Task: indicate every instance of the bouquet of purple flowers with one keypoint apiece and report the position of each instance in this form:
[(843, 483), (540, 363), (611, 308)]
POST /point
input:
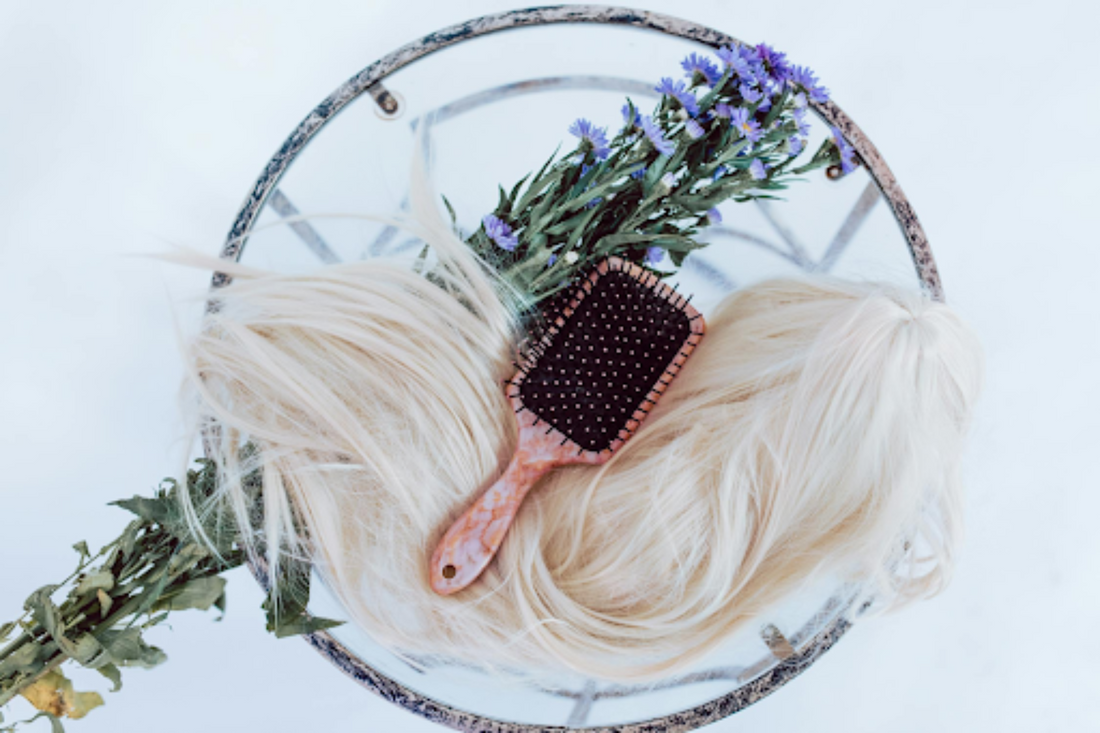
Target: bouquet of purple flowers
[(736, 128)]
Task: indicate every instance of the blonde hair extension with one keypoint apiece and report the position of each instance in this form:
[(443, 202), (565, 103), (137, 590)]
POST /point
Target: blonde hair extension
[(818, 427)]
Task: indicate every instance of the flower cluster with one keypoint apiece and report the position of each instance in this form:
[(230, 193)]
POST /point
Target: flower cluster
[(732, 128)]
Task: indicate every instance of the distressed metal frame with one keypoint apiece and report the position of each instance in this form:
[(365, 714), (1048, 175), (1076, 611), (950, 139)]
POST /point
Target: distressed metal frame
[(814, 642)]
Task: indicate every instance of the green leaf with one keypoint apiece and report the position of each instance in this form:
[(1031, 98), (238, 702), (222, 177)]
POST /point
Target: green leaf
[(219, 603), (48, 615), (580, 230), (515, 190), (777, 108), (157, 509), (129, 539), (104, 579), (37, 602), (711, 97), (613, 241), (654, 173), (200, 593), (568, 225), (128, 649), (5, 631), (304, 624), (82, 548), (111, 672), (504, 206), (451, 211), (86, 650), (24, 659), (151, 593), (538, 183), (55, 722)]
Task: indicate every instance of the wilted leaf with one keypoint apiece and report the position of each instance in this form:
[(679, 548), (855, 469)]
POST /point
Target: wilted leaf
[(303, 625), (37, 602), (103, 579), (105, 601), (48, 615), (82, 548), (159, 509), (128, 649), (23, 660), (85, 650), (112, 673), (151, 594), (200, 593), (55, 724), (53, 694)]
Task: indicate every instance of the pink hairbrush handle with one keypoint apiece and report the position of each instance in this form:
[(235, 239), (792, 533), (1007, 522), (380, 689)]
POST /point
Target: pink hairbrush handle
[(473, 540)]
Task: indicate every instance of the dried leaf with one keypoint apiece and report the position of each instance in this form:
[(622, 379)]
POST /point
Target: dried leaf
[(105, 601), (53, 694), (200, 593), (22, 660), (48, 615), (82, 548), (112, 673), (303, 625), (38, 601), (85, 650), (103, 579), (161, 509), (128, 649), (55, 724)]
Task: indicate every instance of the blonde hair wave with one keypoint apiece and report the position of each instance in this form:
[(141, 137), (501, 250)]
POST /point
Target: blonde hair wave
[(818, 427)]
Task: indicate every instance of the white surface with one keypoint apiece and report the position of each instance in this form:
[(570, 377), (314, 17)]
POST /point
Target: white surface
[(131, 124)]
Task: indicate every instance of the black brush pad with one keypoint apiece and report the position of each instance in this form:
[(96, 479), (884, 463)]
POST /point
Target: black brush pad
[(602, 363)]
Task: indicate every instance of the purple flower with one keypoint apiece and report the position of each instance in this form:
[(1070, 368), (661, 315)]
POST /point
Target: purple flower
[(723, 110), (592, 138), (626, 117), (553, 258), (796, 144), (800, 120), (499, 232), (747, 127), (719, 172), (714, 216), (694, 129), (758, 170), (803, 77), (679, 91), (734, 57), (750, 95), (765, 105), (638, 173), (653, 255), (701, 70), (653, 131), (847, 152), (775, 64)]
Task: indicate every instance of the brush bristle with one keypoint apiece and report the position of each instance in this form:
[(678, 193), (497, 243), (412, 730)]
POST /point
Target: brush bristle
[(606, 357)]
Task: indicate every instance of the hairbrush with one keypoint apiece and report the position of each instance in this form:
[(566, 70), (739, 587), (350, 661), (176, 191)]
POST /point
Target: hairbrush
[(584, 386)]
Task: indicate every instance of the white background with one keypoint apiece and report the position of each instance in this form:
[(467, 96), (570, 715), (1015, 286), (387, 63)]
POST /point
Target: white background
[(127, 125)]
